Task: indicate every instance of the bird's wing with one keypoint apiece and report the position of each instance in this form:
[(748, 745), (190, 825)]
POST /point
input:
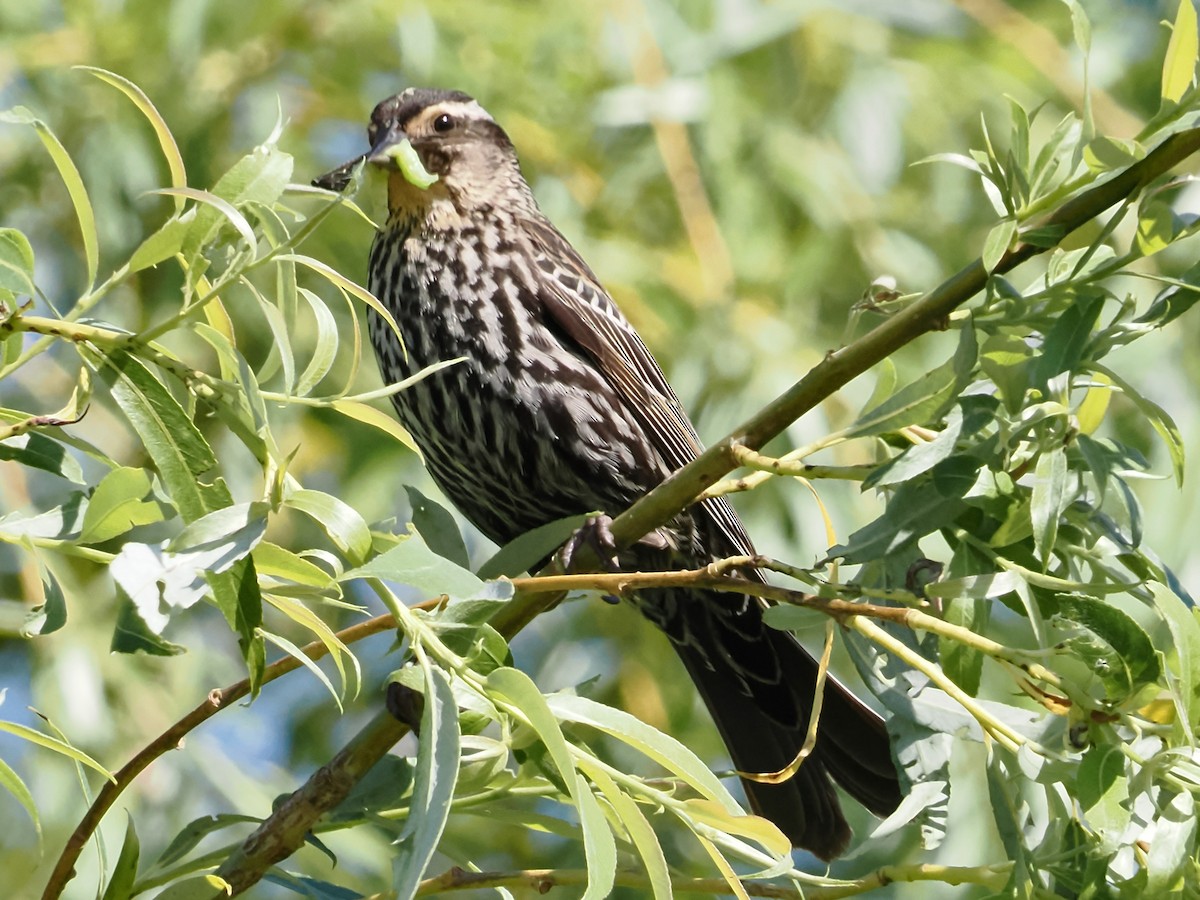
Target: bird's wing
[(573, 298)]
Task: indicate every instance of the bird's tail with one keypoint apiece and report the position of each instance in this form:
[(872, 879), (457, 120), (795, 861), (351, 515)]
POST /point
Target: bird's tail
[(758, 683)]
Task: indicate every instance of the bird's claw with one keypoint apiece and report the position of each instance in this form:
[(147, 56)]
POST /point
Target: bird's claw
[(596, 534)]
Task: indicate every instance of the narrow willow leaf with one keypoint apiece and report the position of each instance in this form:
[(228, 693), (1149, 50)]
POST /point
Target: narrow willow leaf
[(11, 782), (662, 748), (998, 241), (525, 552), (411, 562), (161, 245), (1133, 649), (166, 140), (517, 688), (120, 884), (437, 526), (302, 615), (1049, 499), (179, 451), (1103, 791), (297, 654), (1158, 417), (377, 418), (325, 352), (1174, 842), (645, 841), (226, 209), (198, 887), (341, 281), (118, 504), (16, 262), (438, 752), (51, 614), (52, 743), (341, 522), (131, 634), (278, 562), (74, 184), (914, 404), (197, 830), (1184, 653), (599, 845), (1179, 65), (41, 452)]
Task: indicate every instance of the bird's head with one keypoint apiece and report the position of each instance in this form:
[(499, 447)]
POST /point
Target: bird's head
[(455, 140)]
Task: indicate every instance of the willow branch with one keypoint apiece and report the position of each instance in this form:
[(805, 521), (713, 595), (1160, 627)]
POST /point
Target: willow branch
[(542, 881), (217, 700)]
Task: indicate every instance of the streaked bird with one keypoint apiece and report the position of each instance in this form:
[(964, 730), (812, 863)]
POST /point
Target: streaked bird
[(560, 409)]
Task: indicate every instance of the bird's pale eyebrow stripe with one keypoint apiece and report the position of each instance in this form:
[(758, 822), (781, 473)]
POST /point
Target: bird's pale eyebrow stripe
[(458, 108)]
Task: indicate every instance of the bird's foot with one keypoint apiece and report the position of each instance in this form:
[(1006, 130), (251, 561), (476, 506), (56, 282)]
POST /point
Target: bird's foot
[(596, 534)]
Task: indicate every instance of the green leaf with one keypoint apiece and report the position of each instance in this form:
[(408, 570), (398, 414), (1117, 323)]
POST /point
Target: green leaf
[(665, 750), (1104, 154), (221, 206), (120, 884), (1067, 338), (297, 654), (47, 742), (1179, 65), (919, 458), (1132, 661), (530, 550), (325, 352), (278, 562), (916, 509), (132, 635), (437, 527), (117, 505), (1183, 655), (377, 418), (1174, 843), (1050, 498), (166, 141), (915, 404), (599, 845), (1007, 361), (62, 522), (179, 451), (51, 614), (1103, 791), (345, 527), (998, 241), (74, 184), (16, 262), (1159, 420), (436, 773), (40, 452), (198, 887), (194, 832), (161, 245), (645, 841), (258, 177), (12, 783), (411, 562), (1158, 226), (961, 662)]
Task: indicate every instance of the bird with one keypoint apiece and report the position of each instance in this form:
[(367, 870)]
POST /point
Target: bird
[(557, 408)]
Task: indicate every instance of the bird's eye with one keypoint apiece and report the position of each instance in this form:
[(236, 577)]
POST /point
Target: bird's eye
[(372, 133), (443, 123)]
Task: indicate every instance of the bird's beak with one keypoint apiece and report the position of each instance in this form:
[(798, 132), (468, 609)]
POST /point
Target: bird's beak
[(338, 179)]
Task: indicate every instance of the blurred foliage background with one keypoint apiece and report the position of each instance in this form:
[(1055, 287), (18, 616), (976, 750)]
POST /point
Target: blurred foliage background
[(738, 172)]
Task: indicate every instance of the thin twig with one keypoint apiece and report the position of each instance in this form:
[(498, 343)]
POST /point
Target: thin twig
[(217, 699)]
